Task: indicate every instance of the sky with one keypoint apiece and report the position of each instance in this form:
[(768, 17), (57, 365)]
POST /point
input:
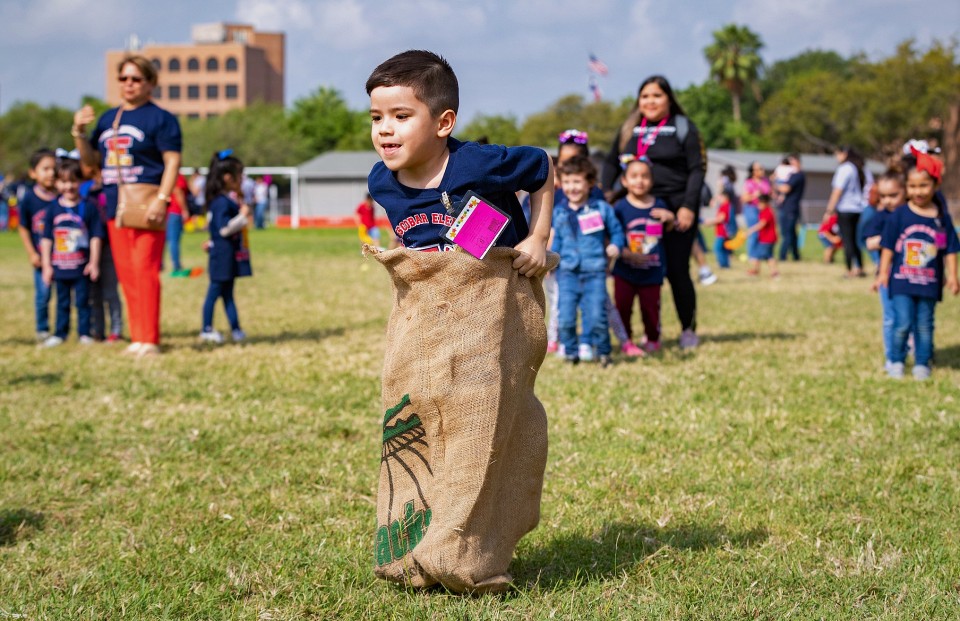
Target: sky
[(511, 57)]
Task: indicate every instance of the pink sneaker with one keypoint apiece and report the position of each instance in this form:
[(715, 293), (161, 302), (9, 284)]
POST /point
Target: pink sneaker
[(552, 347), (629, 349), (652, 347)]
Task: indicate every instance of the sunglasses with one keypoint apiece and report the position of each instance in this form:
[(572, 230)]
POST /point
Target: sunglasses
[(132, 78)]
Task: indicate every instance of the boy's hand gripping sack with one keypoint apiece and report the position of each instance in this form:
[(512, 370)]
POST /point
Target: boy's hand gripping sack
[(464, 435)]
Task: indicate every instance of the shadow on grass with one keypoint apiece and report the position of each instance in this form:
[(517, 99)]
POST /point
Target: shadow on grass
[(253, 339), (19, 340), (15, 522), (36, 378), (947, 357), (576, 558), (737, 337)]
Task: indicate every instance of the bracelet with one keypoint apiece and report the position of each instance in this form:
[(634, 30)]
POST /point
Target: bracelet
[(76, 133), (163, 197)]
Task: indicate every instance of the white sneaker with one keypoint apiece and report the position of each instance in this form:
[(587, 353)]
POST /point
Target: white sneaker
[(585, 353), (921, 372), (132, 349), (895, 370), (211, 336), (42, 336), (52, 341), (707, 277), (689, 339), (148, 350), (86, 340), (238, 335)]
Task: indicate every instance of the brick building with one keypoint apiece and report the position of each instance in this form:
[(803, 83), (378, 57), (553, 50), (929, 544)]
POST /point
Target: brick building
[(226, 66)]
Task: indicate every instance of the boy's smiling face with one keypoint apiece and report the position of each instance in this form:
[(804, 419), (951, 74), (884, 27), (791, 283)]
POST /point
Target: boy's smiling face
[(404, 133)]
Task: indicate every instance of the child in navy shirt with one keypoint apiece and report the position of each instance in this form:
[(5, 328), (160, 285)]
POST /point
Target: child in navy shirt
[(586, 234), (229, 252), (642, 265), (890, 194), (919, 254), (72, 235), (33, 211)]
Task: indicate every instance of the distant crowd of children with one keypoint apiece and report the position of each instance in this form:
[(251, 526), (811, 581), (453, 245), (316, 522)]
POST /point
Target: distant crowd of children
[(62, 225)]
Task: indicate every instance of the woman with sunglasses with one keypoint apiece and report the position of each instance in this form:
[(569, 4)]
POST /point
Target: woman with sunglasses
[(146, 148), (658, 130)]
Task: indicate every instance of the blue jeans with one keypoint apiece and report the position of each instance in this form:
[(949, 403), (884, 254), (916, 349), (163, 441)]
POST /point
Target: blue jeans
[(751, 214), (913, 314), (80, 287), (889, 318), (868, 212), (723, 255), (588, 292), (220, 289), (788, 228), (259, 215), (174, 233), (41, 301)]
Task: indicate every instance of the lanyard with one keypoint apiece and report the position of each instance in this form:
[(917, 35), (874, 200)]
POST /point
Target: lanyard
[(642, 142)]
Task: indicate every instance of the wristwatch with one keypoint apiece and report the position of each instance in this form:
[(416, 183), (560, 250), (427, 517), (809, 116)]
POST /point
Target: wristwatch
[(163, 197)]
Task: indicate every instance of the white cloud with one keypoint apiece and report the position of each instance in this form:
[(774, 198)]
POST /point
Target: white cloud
[(340, 24), (53, 21)]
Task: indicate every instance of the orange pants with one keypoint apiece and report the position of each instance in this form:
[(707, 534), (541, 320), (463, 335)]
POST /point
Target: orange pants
[(138, 255)]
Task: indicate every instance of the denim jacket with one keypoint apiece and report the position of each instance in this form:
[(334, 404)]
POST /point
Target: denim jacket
[(584, 252)]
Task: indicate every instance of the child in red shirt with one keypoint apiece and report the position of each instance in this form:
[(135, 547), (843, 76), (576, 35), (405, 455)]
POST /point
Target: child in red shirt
[(766, 230), (829, 235)]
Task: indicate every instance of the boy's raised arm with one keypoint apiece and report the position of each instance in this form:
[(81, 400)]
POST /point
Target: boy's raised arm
[(533, 261)]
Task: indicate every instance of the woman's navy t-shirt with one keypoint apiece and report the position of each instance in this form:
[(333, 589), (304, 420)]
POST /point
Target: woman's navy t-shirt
[(145, 133), (33, 211), (494, 172), (634, 221), (919, 245)]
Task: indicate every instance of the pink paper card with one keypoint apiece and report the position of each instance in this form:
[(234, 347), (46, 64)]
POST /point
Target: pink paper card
[(654, 229), (477, 226), (590, 222)]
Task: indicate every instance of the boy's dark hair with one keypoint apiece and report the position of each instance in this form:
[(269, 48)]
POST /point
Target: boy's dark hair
[(221, 164), (893, 174), (580, 165), (38, 156), (763, 198), (429, 75), (69, 166)]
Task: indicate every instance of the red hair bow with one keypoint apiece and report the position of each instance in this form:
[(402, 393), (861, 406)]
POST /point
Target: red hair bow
[(928, 163)]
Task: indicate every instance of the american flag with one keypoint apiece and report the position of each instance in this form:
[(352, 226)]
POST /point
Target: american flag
[(597, 66), (595, 89)]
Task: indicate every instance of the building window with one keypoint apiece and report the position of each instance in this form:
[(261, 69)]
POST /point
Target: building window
[(213, 91), (231, 63), (193, 115), (212, 115), (213, 64), (158, 92), (193, 91), (231, 91), (173, 92), (173, 64), (156, 64), (193, 65)]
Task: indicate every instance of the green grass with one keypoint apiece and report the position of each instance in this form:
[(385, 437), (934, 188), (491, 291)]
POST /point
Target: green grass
[(775, 473)]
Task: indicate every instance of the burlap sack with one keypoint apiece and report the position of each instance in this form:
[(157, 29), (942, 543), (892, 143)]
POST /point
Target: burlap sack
[(464, 436)]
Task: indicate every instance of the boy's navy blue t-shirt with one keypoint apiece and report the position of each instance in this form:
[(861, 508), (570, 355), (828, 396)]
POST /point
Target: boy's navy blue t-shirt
[(917, 257), (71, 229), (634, 221), (494, 172), (874, 225), (33, 211), (144, 134)]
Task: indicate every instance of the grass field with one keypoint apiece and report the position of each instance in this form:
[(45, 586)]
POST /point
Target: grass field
[(775, 473)]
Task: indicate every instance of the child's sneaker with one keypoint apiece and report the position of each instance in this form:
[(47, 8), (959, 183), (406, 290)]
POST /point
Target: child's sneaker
[(651, 347), (52, 341), (211, 336), (921, 372), (42, 336), (113, 338), (629, 349), (561, 351), (86, 340), (552, 347), (573, 360), (689, 339), (586, 352), (707, 277), (605, 361), (238, 335), (895, 370)]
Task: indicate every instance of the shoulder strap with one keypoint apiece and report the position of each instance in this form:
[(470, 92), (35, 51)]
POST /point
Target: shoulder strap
[(682, 124), (116, 129)]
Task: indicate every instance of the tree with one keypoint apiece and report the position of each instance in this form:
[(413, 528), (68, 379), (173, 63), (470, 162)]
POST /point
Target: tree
[(600, 119), (323, 119), (26, 127), (775, 76), (498, 129), (735, 63)]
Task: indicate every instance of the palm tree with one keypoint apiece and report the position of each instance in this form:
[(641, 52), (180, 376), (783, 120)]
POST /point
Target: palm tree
[(735, 63)]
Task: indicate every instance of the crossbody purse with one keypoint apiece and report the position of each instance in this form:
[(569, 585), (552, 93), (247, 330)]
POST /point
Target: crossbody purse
[(134, 199)]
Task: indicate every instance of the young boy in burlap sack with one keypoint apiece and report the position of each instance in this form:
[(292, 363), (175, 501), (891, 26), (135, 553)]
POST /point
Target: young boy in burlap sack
[(464, 436)]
